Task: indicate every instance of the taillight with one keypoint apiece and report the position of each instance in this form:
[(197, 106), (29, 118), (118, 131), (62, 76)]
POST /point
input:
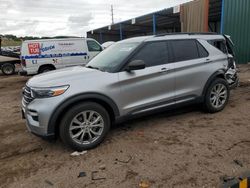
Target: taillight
[(23, 62), (231, 63)]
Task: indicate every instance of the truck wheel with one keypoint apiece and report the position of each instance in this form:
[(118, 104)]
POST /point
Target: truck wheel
[(84, 126), (8, 69), (46, 69), (217, 96)]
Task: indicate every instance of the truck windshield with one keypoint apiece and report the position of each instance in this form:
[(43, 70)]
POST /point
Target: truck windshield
[(112, 57)]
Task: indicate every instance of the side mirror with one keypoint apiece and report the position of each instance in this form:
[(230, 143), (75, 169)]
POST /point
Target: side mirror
[(135, 65)]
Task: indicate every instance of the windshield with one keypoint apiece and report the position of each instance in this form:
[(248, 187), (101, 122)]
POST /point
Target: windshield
[(112, 57)]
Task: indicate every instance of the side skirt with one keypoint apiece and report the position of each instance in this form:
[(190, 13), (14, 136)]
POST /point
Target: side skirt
[(171, 105)]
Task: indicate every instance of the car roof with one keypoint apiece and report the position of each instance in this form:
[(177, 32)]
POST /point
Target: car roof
[(176, 36), (56, 39), (135, 39)]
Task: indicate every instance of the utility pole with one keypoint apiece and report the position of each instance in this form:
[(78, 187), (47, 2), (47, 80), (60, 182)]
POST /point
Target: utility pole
[(0, 45), (112, 14)]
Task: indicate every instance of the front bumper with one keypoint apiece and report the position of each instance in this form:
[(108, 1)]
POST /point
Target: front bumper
[(37, 115), (34, 129)]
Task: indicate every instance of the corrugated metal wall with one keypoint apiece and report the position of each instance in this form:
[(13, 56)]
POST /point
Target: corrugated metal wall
[(236, 23)]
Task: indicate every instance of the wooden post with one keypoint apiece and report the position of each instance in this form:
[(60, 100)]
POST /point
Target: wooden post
[(206, 17)]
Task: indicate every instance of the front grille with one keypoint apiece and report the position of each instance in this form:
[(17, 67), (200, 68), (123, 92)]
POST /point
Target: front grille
[(27, 98)]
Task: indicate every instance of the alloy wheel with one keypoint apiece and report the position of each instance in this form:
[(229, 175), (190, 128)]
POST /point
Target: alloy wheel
[(86, 127), (218, 95)]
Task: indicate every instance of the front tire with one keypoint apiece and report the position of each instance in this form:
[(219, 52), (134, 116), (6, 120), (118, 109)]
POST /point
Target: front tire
[(84, 126), (45, 69), (217, 96)]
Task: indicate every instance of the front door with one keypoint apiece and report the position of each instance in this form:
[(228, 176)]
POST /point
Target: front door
[(94, 48), (152, 87)]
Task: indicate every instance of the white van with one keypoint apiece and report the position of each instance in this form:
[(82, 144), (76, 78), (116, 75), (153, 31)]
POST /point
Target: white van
[(38, 56)]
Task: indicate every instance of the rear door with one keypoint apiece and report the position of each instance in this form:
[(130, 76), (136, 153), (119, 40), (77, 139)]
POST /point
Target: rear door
[(192, 68), (152, 87)]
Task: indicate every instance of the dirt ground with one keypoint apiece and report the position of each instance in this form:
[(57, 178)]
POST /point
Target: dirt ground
[(183, 148)]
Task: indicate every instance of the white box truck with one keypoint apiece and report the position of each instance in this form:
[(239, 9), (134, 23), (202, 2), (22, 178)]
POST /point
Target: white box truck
[(38, 56)]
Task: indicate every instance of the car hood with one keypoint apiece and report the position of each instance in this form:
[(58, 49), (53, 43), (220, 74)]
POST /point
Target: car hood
[(62, 77)]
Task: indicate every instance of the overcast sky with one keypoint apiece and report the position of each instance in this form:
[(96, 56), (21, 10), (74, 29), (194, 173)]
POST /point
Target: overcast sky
[(70, 17)]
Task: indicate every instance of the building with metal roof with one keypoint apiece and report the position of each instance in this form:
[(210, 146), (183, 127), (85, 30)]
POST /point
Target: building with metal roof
[(220, 16)]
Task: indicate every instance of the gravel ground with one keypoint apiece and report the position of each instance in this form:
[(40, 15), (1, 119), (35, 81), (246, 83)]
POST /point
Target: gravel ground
[(182, 148)]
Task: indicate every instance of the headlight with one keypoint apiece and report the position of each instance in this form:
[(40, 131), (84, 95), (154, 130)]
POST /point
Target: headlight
[(48, 92)]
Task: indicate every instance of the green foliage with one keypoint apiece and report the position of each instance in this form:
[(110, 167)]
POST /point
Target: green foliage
[(8, 42)]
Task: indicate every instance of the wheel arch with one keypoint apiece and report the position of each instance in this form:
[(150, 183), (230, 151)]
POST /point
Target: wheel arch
[(46, 65), (218, 74), (104, 101)]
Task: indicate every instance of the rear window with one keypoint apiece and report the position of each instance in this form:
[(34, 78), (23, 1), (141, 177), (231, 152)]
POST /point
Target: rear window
[(185, 50), (202, 51), (219, 44)]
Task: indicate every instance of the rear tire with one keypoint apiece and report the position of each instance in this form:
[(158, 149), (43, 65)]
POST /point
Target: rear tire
[(217, 96), (84, 126), (45, 69), (8, 69)]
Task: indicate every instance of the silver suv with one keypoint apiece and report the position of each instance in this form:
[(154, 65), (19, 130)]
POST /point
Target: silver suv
[(132, 77)]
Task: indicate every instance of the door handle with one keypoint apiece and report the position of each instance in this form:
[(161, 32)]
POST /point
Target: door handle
[(163, 70), (208, 61)]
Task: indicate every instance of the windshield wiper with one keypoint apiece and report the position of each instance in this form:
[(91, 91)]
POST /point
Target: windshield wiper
[(89, 66)]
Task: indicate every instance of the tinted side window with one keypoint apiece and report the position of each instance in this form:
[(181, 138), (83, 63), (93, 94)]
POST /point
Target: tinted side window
[(93, 46), (185, 50), (153, 54), (219, 44), (202, 51)]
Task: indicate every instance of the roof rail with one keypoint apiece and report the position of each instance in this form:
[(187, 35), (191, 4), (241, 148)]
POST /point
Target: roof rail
[(187, 33)]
